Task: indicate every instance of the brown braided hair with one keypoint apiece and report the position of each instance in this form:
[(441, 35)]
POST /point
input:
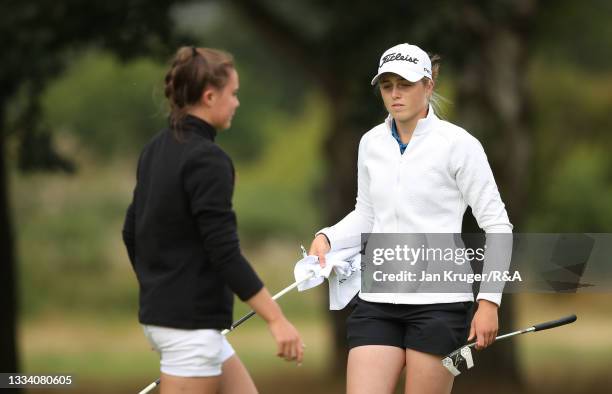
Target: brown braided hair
[(193, 70)]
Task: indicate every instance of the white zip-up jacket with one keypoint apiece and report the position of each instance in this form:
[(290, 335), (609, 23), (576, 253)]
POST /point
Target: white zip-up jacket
[(425, 190)]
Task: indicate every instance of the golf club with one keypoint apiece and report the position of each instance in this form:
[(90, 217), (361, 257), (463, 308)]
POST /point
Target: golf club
[(464, 353)]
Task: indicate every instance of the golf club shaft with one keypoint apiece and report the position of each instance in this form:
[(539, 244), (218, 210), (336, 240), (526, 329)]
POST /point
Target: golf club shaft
[(537, 327), (244, 318), (149, 387), (508, 335), (274, 297)]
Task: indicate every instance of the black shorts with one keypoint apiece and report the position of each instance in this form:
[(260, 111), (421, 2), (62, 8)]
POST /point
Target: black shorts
[(432, 328)]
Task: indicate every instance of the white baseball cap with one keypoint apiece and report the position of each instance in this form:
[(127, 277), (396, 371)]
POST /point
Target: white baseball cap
[(408, 61)]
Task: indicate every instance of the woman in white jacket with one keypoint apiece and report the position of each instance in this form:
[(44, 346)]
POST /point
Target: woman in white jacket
[(416, 174)]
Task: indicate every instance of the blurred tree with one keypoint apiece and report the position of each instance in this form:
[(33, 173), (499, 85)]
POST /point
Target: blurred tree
[(126, 100), (42, 38), (486, 43)]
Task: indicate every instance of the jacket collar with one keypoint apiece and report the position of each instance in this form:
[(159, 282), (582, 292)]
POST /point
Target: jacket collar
[(198, 126), (423, 125)]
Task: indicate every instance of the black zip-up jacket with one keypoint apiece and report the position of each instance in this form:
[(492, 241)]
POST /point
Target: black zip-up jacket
[(180, 232)]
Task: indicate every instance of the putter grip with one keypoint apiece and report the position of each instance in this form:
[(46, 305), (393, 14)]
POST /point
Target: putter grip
[(555, 323)]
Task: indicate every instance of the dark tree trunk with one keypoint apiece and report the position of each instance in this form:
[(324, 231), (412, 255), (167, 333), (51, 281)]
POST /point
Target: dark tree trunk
[(8, 297), (493, 104)]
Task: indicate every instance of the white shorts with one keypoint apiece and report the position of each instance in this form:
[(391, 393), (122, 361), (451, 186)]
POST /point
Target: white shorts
[(189, 353)]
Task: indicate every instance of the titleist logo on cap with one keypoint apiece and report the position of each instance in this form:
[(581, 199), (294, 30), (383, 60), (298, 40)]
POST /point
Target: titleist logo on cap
[(397, 56), (408, 61)]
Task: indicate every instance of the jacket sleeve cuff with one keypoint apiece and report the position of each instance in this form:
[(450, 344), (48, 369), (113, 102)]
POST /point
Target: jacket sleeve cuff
[(327, 233), (493, 297), (339, 242)]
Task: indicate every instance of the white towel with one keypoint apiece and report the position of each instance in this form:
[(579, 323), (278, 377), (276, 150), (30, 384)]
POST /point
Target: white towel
[(342, 270)]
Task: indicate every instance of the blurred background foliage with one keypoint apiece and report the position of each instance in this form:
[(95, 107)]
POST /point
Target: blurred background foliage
[(78, 296)]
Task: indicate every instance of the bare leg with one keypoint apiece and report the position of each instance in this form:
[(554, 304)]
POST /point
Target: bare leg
[(374, 369), (236, 378), (426, 375), (177, 384)]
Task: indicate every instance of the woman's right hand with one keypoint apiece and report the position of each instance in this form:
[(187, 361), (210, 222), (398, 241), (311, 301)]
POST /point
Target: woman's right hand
[(288, 341), (319, 247)]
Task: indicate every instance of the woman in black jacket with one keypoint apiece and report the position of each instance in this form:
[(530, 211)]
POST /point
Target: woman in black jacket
[(180, 233)]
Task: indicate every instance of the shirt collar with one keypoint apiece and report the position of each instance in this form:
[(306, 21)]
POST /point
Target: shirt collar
[(198, 126), (423, 125)]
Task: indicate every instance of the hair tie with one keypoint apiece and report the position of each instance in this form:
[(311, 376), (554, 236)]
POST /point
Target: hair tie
[(194, 51)]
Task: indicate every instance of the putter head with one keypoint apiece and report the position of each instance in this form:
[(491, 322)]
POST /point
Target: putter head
[(456, 358), (448, 363)]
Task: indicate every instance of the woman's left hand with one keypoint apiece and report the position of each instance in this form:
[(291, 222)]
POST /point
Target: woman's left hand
[(484, 324)]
